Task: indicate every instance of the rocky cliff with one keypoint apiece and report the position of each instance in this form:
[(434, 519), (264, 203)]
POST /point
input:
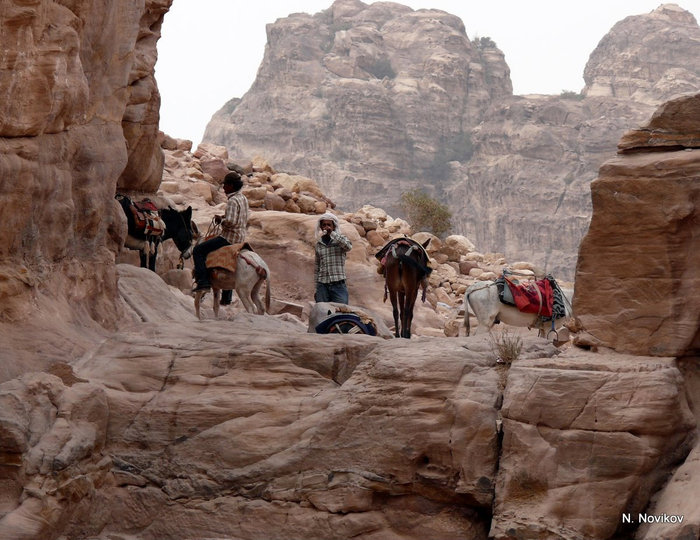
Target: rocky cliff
[(78, 118), (374, 100), (370, 100)]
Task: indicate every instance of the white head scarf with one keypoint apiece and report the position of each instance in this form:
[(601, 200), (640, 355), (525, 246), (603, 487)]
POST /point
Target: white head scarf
[(326, 217)]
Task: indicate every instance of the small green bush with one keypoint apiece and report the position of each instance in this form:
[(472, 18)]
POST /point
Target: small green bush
[(425, 213), (484, 43)]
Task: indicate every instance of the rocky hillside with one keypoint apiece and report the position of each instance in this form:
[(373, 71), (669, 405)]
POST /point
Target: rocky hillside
[(284, 213), (373, 100), (388, 95), (249, 427)]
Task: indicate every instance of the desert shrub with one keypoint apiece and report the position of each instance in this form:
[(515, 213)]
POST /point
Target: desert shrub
[(425, 213), (484, 43), (570, 94), (505, 346)]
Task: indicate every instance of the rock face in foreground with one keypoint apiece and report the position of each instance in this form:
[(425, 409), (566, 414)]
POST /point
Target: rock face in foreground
[(180, 429), (374, 100), (79, 117), (637, 279)]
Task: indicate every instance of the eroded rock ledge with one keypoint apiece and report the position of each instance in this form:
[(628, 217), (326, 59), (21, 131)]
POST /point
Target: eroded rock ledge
[(198, 430)]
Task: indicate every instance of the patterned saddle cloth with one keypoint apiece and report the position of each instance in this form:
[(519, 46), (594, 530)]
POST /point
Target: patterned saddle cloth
[(542, 297)]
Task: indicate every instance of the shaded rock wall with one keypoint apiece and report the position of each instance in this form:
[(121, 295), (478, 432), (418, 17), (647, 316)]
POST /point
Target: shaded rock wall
[(637, 278), (526, 191), (79, 118)]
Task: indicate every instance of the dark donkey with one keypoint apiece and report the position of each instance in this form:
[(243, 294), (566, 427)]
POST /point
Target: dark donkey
[(147, 230), (406, 268)]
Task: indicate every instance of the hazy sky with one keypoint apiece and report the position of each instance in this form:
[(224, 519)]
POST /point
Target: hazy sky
[(210, 50)]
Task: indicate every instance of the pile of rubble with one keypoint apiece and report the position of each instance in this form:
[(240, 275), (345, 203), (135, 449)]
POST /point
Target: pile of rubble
[(455, 261)]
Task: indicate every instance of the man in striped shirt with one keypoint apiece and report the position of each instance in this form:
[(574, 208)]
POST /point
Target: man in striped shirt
[(329, 267), (233, 230)]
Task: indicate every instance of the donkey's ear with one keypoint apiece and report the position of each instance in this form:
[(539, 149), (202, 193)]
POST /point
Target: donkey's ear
[(425, 244), (188, 213)]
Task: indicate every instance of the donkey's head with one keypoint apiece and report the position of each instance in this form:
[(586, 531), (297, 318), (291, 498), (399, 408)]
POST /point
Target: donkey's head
[(178, 226)]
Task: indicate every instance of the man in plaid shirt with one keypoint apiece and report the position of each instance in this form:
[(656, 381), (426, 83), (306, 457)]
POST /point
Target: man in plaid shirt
[(329, 267), (233, 229)]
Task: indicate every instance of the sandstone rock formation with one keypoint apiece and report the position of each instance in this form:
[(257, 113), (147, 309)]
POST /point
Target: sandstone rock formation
[(645, 212), (388, 95), (174, 428), (629, 62), (373, 100), (79, 117), (124, 417), (285, 210)]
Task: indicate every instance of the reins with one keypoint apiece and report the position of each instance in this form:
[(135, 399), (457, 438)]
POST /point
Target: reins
[(214, 229)]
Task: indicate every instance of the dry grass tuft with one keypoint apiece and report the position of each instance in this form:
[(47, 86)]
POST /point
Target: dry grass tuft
[(505, 346)]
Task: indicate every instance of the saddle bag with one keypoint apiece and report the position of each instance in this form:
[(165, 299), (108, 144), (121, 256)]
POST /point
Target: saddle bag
[(147, 218), (226, 257), (504, 294)]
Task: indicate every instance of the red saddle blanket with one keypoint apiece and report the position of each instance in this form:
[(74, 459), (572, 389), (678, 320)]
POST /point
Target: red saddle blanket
[(533, 296)]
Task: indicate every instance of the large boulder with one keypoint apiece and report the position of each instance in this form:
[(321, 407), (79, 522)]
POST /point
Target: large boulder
[(574, 460), (638, 271)]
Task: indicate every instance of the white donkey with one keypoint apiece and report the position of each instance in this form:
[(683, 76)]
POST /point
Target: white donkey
[(251, 271), (483, 299)]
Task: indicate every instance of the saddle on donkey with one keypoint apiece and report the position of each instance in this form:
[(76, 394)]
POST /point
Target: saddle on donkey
[(146, 217), (382, 254), (226, 257), (543, 297)]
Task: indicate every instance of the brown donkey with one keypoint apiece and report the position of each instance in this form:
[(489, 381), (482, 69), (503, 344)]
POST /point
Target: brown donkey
[(405, 263)]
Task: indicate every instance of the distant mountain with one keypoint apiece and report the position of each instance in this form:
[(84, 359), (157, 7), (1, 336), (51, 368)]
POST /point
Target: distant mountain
[(374, 100)]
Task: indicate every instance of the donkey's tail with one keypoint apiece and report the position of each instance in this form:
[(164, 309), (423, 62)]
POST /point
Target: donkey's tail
[(467, 328)]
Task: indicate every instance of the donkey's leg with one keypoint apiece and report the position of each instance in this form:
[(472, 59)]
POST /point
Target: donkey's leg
[(197, 303), (486, 321), (243, 290), (394, 295), (152, 257), (467, 326), (255, 295), (217, 300), (402, 312), (143, 257), (408, 313)]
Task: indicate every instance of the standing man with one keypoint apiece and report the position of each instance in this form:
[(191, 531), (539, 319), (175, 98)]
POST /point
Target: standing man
[(329, 268), (233, 229)]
